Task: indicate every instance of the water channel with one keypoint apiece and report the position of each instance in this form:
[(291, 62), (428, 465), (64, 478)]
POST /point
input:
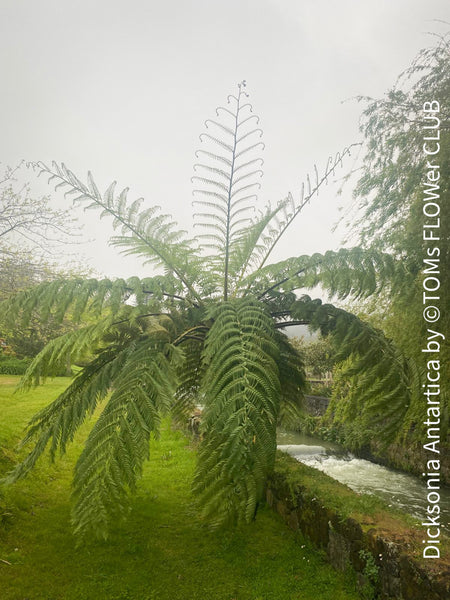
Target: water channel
[(398, 489)]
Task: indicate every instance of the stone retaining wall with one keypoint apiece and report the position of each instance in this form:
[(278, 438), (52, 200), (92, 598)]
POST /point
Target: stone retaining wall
[(316, 405), (383, 566)]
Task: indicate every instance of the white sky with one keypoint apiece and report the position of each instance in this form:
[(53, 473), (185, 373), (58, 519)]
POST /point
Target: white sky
[(123, 88)]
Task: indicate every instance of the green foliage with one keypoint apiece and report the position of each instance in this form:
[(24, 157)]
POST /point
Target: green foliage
[(348, 273), (393, 163), (389, 195), (371, 572), (208, 331), (11, 365), (241, 394), (390, 191), (147, 233), (118, 444), (318, 355), (164, 534), (142, 376), (21, 270), (292, 380), (378, 382)]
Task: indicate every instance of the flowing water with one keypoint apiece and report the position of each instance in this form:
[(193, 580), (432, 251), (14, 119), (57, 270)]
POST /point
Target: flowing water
[(398, 489)]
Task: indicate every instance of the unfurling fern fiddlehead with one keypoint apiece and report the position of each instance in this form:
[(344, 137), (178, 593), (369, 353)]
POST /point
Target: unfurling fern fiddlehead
[(228, 191)]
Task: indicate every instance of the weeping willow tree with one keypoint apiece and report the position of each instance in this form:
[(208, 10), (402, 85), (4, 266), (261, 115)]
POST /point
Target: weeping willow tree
[(210, 329), (389, 196)]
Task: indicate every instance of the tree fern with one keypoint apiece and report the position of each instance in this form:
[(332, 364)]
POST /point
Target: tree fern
[(209, 330)]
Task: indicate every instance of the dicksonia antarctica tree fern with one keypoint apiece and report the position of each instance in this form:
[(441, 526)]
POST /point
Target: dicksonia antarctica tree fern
[(209, 330)]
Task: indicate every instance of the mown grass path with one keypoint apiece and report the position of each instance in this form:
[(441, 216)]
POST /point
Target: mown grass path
[(161, 552)]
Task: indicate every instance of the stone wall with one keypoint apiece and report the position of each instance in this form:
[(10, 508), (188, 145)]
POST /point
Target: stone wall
[(316, 405), (384, 567)]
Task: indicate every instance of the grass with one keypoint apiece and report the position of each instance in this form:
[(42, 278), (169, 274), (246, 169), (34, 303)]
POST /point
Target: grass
[(161, 552)]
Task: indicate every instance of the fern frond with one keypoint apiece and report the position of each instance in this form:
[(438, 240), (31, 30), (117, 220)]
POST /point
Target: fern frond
[(81, 343), (228, 196), (293, 381), (241, 391), (149, 234), (190, 375), (77, 298), (118, 445), (305, 197), (353, 272), (253, 241), (381, 377), (60, 420)]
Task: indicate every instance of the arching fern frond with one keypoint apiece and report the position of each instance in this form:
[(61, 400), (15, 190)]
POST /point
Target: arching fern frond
[(241, 394), (147, 233), (92, 298), (363, 410), (382, 378), (62, 418), (118, 444), (86, 341), (353, 272)]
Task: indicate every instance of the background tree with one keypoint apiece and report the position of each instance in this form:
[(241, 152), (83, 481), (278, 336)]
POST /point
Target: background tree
[(31, 219), (319, 359), (207, 330), (30, 230), (389, 197), (21, 269), (318, 355)]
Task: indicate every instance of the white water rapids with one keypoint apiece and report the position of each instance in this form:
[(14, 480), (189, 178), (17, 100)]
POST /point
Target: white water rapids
[(400, 490)]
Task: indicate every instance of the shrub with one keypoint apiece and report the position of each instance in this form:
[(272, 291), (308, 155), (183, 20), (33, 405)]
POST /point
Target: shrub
[(11, 365)]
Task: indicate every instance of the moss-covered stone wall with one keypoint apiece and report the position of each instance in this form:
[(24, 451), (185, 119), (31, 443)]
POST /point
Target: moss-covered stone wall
[(357, 531)]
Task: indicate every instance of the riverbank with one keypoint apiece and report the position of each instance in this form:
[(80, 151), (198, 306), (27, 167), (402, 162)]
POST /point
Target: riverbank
[(382, 545), (408, 456), (398, 489)]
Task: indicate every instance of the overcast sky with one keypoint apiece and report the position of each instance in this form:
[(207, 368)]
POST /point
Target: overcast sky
[(123, 88)]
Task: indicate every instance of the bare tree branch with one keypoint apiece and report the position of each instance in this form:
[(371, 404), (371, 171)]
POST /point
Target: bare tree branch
[(32, 219)]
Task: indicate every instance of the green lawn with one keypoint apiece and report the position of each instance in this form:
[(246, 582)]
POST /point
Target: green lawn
[(162, 552)]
